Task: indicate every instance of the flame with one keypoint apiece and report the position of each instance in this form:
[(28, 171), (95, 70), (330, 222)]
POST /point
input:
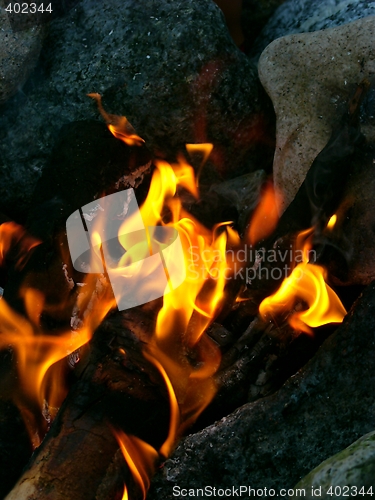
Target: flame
[(13, 237), (332, 222), (306, 283), (125, 495), (266, 215), (119, 126), (140, 457), (37, 351), (205, 149)]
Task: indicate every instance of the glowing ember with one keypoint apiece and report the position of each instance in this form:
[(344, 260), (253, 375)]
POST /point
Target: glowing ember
[(307, 284)]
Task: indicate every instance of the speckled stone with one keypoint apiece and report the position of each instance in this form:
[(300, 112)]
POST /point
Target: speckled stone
[(277, 440), (19, 52), (170, 66), (310, 78), (301, 16), (353, 467)]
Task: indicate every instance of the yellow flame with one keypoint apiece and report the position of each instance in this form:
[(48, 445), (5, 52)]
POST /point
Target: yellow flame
[(332, 222), (306, 283), (125, 495)]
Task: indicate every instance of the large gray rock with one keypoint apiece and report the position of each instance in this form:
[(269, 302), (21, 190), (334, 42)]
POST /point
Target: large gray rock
[(301, 16), (310, 78), (169, 66), (276, 441), (350, 471), (19, 53)]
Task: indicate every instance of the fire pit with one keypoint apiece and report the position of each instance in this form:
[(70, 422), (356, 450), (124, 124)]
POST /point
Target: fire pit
[(171, 326)]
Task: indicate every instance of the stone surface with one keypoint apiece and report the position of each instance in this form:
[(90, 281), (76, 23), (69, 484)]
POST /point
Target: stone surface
[(19, 53), (275, 441), (353, 237), (352, 467), (301, 16), (169, 66), (255, 14), (310, 78)]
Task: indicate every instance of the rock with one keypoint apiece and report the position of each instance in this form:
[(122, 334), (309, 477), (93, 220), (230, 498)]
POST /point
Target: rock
[(353, 467), (243, 192), (310, 78), (352, 240), (302, 16), (277, 440), (19, 53), (255, 14), (169, 66)]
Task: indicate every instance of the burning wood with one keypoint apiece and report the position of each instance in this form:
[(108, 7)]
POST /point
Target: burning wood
[(119, 371)]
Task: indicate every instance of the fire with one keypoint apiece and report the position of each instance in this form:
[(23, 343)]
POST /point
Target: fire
[(13, 237), (306, 284), (266, 215), (141, 459), (118, 125), (332, 222)]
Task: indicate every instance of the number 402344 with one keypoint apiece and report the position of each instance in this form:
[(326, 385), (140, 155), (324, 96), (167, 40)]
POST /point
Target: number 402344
[(28, 8)]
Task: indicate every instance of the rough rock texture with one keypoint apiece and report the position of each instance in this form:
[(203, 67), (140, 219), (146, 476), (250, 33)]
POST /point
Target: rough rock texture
[(169, 66), (19, 53), (309, 78), (301, 16), (277, 440), (353, 467)]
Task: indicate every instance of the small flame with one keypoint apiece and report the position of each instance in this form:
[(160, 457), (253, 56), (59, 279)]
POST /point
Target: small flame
[(306, 283), (204, 149), (332, 222), (125, 495), (266, 215), (119, 126)]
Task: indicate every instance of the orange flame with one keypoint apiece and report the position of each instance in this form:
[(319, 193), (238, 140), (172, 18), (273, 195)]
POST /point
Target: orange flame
[(306, 283), (11, 235), (204, 149), (38, 352), (140, 457), (266, 215), (118, 125)]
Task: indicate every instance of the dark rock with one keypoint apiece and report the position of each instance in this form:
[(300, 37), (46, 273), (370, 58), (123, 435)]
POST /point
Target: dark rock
[(19, 53), (275, 441), (351, 470), (302, 16), (255, 14), (169, 66)]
